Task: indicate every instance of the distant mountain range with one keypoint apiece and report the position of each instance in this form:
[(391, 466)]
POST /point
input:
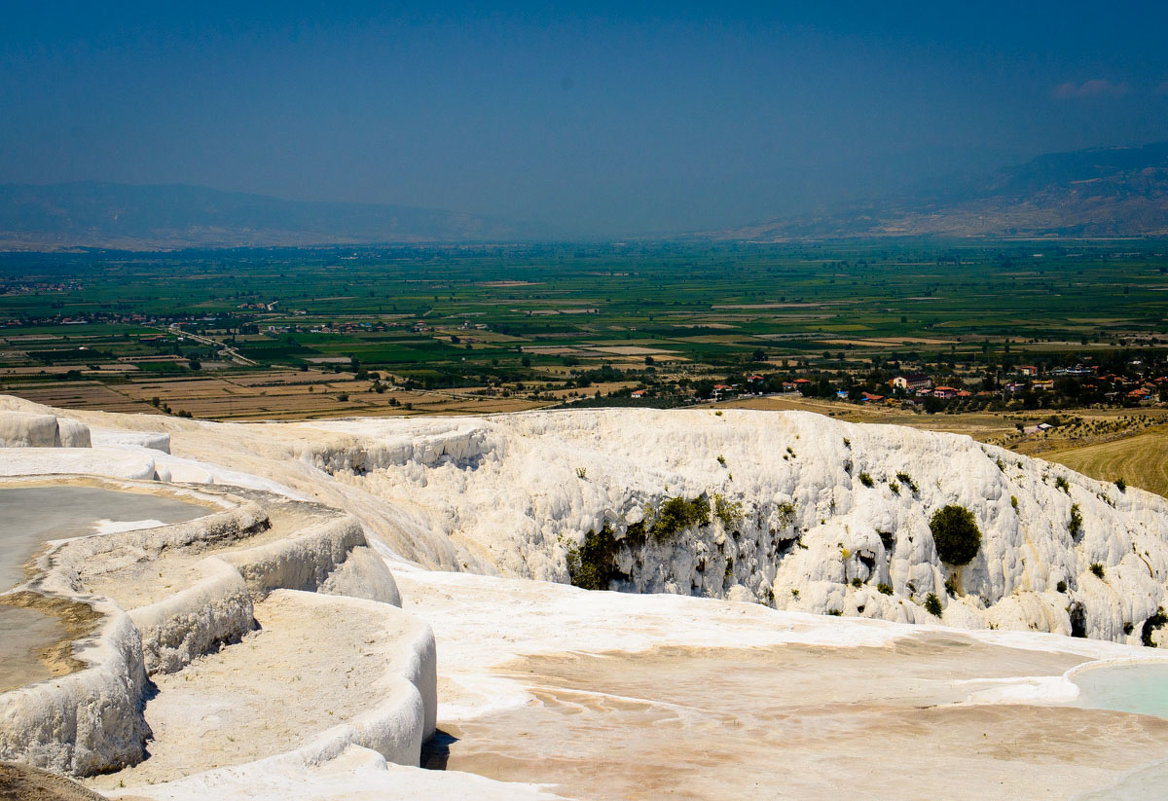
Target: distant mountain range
[(119, 216), (1097, 193)]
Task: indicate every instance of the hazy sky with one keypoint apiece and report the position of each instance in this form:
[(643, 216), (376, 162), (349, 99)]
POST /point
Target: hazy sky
[(599, 118)]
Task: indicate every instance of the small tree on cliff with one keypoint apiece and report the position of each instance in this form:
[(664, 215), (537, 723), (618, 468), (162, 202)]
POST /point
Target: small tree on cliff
[(956, 535)]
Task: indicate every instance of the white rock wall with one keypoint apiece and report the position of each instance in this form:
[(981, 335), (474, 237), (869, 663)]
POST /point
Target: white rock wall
[(303, 561), (20, 429), (85, 722), (507, 491), (217, 609)]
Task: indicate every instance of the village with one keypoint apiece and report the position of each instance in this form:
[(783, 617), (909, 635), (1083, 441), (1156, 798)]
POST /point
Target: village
[(1139, 382)]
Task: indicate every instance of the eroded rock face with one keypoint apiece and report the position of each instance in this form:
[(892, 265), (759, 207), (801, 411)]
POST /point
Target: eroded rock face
[(32, 430), (816, 515), (808, 513)]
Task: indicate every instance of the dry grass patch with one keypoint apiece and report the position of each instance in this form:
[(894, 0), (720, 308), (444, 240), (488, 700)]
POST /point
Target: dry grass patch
[(1141, 460)]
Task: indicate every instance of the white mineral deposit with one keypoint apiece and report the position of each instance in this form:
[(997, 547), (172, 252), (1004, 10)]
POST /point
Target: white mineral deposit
[(765, 607)]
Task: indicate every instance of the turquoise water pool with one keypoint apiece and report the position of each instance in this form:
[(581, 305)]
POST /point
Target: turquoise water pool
[(1141, 688)]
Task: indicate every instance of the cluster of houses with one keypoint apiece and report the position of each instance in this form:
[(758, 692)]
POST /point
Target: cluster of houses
[(330, 328), (84, 319), (37, 287), (919, 388), (920, 385), (418, 327)]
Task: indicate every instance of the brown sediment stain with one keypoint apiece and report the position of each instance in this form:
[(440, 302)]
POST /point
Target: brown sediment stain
[(79, 620), (32, 784)]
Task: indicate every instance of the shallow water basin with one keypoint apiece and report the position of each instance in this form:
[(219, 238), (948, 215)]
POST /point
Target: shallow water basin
[(29, 516), (23, 634), (32, 515), (1141, 688)]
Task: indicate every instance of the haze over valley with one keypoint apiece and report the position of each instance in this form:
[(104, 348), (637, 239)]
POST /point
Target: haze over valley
[(1095, 194), (606, 401)]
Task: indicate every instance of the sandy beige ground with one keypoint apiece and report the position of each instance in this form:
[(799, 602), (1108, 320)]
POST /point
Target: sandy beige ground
[(871, 719), (799, 723), (30, 784), (309, 666)]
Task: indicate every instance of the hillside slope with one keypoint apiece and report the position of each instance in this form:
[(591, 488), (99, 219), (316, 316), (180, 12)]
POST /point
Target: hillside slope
[(178, 216), (1097, 193), (816, 514)]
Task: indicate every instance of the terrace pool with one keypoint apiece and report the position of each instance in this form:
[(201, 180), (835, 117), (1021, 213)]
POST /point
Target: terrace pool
[(1141, 688), (31, 515)]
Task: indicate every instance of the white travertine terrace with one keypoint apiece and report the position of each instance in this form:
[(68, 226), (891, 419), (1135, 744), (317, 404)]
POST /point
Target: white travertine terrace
[(31, 430), (165, 597), (443, 492), (282, 666)]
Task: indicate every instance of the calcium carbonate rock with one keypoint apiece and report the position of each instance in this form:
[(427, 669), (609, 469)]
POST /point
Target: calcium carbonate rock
[(20, 429), (363, 575), (151, 440), (816, 514), (72, 434)]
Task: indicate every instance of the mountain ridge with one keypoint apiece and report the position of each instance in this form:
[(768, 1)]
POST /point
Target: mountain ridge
[(1096, 193), (1114, 192), (176, 216)]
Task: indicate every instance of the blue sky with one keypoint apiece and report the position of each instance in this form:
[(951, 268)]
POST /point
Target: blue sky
[(602, 119)]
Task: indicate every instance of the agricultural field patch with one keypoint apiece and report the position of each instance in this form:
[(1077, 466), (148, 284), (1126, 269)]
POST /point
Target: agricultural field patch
[(246, 334)]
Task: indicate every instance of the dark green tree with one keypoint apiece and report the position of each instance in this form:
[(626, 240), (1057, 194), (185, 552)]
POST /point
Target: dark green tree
[(955, 534)]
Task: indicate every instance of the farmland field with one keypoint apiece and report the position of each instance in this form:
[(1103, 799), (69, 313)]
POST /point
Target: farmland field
[(1141, 460), (697, 301), (297, 333)]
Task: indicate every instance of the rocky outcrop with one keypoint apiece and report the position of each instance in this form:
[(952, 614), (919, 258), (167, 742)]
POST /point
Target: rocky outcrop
[(193, 621), (806, 513)]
